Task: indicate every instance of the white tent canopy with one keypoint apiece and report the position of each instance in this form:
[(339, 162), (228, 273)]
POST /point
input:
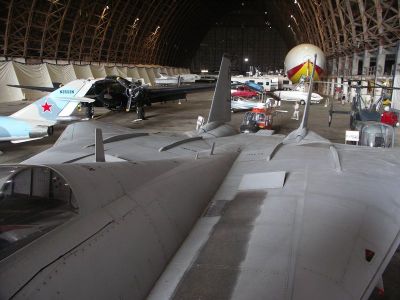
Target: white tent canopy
[(163, 70), (35, 75), (151, 75), (133, 72), (83, 71), (8, 76), (61, 73), (98, 71), (143, 74), (122, 71), (111, 71), (157, 72)]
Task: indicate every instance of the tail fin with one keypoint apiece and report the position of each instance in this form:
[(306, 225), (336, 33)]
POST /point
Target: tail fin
[(301, 132), (61, 102), (221, 104)]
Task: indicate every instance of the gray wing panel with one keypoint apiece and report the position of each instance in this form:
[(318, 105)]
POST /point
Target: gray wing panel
[(77, 141), (345, 216), (306, 240), (81, 132)]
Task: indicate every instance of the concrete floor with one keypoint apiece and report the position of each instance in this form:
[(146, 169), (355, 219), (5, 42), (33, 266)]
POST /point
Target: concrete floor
[(173, 117)]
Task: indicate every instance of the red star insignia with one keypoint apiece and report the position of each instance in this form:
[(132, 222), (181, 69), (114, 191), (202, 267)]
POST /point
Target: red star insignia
[(46, 107)]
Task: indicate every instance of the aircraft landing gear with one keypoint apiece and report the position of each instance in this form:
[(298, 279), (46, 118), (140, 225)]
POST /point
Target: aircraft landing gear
[(50, 130), (140, 112), (89, 111)]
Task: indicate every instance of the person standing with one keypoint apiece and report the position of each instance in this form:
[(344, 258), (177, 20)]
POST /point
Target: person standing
[(296, 111)]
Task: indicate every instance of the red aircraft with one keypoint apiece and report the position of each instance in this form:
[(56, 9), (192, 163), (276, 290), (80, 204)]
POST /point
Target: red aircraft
[(243, 91)]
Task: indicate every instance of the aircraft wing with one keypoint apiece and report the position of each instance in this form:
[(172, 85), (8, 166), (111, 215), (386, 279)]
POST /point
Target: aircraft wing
[(76, 144), (278, 226), (159, 94)]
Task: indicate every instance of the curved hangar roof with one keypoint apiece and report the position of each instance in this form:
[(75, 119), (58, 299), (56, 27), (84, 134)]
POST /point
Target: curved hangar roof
[(169, 32)]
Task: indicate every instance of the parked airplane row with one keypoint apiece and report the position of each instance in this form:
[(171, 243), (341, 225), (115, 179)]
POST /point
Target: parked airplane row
[(36, 120)]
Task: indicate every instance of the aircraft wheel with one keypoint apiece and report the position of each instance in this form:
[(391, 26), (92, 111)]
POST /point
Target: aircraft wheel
[(302, 102)]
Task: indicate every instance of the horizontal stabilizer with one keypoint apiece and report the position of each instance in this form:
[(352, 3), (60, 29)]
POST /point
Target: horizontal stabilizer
[(76, 99), (26, 140), (34, 88)]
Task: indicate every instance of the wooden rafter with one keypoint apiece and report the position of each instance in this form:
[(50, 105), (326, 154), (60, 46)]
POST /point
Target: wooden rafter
[(82, 30)]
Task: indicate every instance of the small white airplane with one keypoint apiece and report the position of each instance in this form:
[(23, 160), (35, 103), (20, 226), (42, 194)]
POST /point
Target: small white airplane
[(36, 120), (165, 79), (238, 104), (298, 94)]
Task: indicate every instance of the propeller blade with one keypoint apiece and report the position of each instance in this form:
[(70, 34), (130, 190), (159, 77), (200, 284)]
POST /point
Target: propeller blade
[(121, 82), (129, 103)]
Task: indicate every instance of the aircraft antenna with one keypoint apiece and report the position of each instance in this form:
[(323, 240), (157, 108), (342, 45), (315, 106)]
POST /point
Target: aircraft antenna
[(212, 148)]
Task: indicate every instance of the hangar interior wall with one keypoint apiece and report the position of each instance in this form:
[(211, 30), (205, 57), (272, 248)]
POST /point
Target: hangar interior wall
[(264, 48), (44, 74)]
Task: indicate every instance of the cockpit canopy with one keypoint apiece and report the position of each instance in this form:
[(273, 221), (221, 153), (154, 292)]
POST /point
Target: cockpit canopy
[(377, 134), (33, 201)]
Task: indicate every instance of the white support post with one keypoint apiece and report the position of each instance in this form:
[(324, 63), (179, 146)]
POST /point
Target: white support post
[(341, 66), (353, 90), (354, 66), (380, 62), (334, 67), (338, 86), (380, 69), (332, 87), (396, 80), (346, 90), (366, 63), (347, 60)]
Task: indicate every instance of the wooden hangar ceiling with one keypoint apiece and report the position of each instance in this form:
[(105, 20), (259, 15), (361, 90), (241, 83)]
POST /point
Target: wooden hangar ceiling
[(168, 32)]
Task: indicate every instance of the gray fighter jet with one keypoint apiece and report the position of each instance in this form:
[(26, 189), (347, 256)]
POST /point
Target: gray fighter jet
[(212, 215)]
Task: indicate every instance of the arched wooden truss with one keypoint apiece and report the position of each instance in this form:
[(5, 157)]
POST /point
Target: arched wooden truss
[(169, 32)]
